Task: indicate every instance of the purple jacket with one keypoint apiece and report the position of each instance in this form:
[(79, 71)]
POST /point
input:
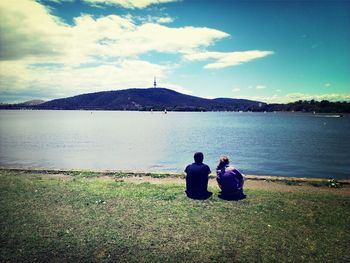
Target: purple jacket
[(230, 179)]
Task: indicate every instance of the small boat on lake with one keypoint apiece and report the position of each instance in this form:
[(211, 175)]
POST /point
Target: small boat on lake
[(330, 116)]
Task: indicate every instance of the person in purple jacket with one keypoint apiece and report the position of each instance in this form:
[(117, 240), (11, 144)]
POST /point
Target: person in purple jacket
[(197, 176), (230, 180)]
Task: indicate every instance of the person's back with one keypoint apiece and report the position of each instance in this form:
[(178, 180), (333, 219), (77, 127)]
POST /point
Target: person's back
[(230, 180), (197, 178)]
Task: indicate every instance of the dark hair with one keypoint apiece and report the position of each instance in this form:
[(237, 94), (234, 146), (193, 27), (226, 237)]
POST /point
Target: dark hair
[(223, 162), (198, 157)]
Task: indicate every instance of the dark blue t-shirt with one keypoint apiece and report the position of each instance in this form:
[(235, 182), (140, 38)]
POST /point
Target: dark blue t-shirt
[(197, 178)]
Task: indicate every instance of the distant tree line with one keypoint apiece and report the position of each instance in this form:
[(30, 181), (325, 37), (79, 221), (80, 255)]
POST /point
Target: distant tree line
[(323, 106), (160, 99)]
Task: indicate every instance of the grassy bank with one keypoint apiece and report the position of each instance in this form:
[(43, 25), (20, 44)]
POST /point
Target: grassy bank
[(59, 218)]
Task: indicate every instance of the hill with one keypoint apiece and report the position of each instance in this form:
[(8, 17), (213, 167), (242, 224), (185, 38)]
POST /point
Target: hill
[(32, 102), (160, 99), (147, 99)]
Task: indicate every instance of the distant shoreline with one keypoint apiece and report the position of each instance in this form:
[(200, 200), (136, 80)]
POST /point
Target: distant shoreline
[(321, 114)]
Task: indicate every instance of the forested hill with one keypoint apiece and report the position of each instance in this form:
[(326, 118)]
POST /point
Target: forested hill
[(160, 99), (148, 99)]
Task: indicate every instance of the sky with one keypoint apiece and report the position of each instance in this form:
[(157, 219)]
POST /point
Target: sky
[(271, 51)]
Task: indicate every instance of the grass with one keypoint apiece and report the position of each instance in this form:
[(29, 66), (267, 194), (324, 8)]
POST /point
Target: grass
[(331, 183), (83, 218)]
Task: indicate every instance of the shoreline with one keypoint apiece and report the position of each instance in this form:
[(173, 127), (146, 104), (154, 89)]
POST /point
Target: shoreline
[(162, 175), (316, 114)]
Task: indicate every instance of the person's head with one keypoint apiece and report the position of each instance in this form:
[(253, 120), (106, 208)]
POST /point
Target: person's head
[(224, 160), (198, 157)]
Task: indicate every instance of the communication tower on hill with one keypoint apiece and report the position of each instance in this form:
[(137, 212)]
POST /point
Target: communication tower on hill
[(155, 82)]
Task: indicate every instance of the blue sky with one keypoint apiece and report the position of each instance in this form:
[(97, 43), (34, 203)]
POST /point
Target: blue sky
[(273, 51)]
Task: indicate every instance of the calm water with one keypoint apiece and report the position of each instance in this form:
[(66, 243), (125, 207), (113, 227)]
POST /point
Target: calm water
[(288, 144)]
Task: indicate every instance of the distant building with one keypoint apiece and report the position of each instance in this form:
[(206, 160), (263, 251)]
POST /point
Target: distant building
[(155, 82)]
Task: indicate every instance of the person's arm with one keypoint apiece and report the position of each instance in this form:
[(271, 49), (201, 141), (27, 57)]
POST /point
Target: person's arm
[(243, 176), (240, 176), (218, 179)]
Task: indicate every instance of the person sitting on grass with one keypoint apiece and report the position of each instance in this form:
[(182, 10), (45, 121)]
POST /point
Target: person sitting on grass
[(197, 178), (230, 180)]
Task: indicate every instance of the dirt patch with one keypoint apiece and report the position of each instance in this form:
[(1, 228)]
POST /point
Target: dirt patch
[(62, 175), (249, 184), (262, 184)]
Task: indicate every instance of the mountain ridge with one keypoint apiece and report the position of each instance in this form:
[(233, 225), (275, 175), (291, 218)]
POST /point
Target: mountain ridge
[(160, 99), (146, 99)]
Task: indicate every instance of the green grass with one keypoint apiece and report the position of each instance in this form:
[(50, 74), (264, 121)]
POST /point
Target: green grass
[(82, 218)]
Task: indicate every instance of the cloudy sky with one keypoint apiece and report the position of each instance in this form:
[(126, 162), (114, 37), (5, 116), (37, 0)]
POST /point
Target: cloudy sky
[(274, 51)]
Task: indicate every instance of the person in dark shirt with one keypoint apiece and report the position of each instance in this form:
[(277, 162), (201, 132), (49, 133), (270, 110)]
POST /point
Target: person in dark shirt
[(230, 180), (197, 178)]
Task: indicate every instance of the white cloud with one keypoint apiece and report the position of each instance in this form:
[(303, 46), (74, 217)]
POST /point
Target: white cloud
[(155, 37), (53, 82), (236, 89), (260, 87), (45, 37), (227, 59), (132, 4), (151, 19), (328, 84), (60, 1), (316, 45), (27, 29), (51, 58), (164, 20), (209, 97)]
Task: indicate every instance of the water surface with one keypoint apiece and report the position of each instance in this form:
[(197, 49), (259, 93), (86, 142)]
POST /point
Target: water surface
[(287, 144)]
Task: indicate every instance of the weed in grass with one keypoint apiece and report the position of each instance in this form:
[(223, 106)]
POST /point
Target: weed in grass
[(318, 183), (289, 182), (88, 174), (332, 183), (155, 175)]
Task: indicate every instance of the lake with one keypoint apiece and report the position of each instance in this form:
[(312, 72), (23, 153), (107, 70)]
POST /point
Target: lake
[(281, 144)]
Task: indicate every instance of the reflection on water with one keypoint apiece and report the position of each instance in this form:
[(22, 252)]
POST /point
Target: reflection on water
[(269, 144)]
